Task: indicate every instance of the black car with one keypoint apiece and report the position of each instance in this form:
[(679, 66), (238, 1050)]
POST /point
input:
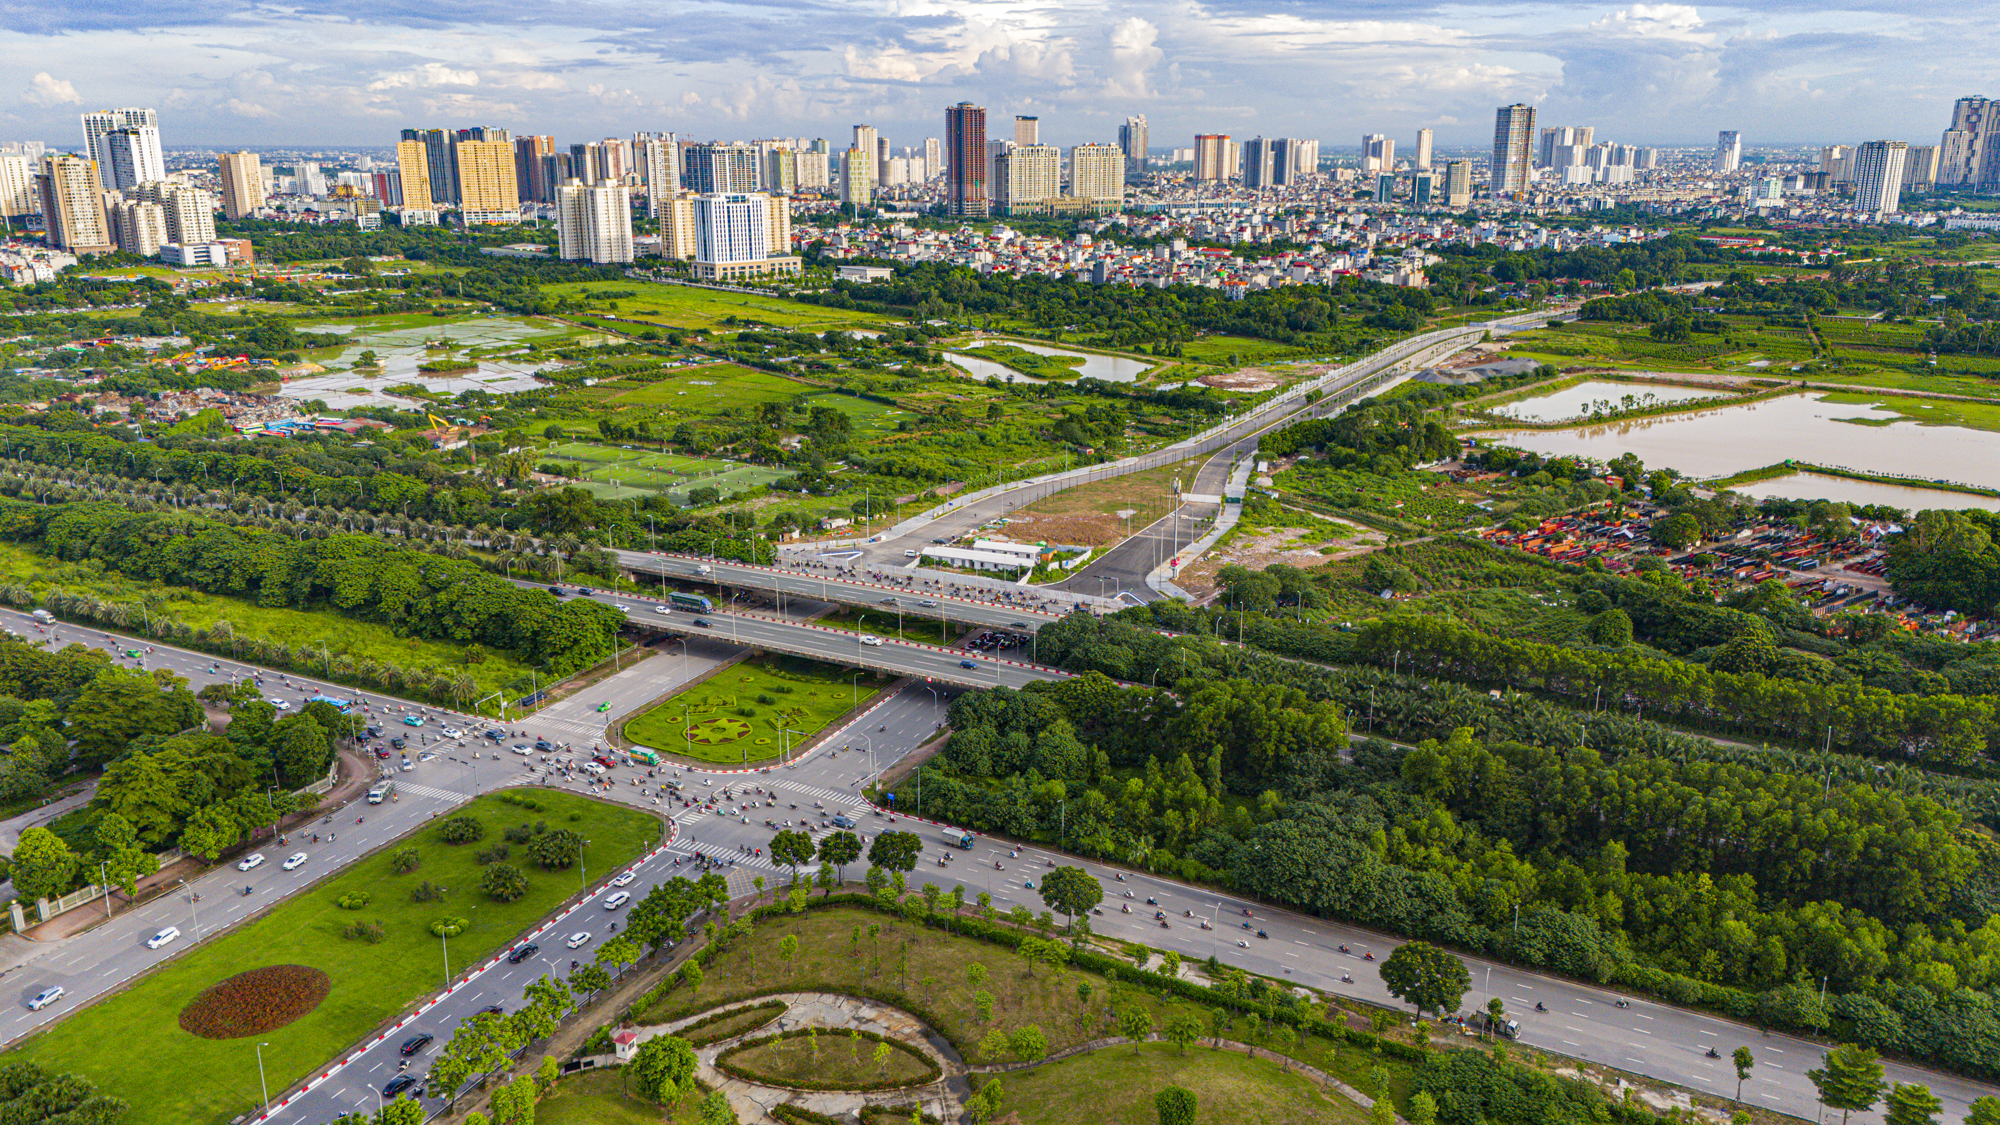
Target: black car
[(522, 953), (544, 745), (417, 1042), (372, 732), (556, 590), (397, 1085), (702, 622), (496, 735), (399, 742), (491, 1010)]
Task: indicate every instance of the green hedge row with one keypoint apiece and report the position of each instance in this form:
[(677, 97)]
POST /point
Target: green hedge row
[(776, 1008), (896, 1115), (932, 1072)]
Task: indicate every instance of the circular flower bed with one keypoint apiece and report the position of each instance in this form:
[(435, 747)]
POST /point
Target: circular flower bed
[(255, 1002)]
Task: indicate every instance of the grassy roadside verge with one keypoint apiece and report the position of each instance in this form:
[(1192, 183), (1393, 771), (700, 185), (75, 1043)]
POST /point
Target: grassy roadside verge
[(748, 712), (172, 1077)]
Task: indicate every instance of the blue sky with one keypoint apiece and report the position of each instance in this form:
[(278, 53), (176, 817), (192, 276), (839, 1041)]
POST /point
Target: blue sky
[(305, 72)]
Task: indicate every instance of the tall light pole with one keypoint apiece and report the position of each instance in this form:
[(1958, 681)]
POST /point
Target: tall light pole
[(105, 882), (445, 946), (260, 1077)]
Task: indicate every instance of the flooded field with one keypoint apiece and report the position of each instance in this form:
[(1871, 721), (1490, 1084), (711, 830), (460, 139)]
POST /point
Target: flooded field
[(1596, 397), (1817, 486), (400, 350), (1804, 427), (1110, 368)]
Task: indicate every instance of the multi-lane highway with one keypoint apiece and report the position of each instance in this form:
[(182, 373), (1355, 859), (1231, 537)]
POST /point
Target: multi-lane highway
[(1647, 1038)]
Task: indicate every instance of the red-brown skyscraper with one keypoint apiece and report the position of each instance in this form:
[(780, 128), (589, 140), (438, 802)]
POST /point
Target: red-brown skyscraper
[(965, 159)]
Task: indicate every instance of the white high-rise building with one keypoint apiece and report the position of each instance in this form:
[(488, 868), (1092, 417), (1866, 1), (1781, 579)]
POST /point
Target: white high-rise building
[(1132, 140), (1212, 157), (1378, 153), (141, 151), (1305, 157), (594, 221), (1513, 150), (17, 186), (812, 169), (128, 157), (658, 157), (1027, 177), (140, 226), (1878, 177), (857, 177), (1027, 130), (933, 158), (1422, 161), (742, 234), (1728, 151), (1097, 172), (312, 181)]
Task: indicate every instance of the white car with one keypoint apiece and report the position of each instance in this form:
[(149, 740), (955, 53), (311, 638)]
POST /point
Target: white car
[(163, 937), (621, 608), (279, 704), (625, 880), (254, 859), (871, 640), (45, 997), (581, 937), (523, 749), (617, 899), (451, 732), (593, 767), (297, 859), (663, 609)]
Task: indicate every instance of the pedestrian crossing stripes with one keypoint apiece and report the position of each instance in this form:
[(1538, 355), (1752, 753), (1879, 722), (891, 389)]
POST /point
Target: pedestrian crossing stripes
[(819, 793), (427, 791)]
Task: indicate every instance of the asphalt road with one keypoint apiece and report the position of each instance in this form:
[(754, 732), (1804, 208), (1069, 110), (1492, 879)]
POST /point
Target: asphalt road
[(835, 646), (829, 579), (1647, 1038)]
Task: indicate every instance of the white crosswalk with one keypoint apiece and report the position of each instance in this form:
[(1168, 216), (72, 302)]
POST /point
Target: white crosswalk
[(435, 794), (819, 793)]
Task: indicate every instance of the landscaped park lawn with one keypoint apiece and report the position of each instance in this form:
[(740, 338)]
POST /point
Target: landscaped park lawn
[(599, 1097), (131, 1043), (319, 630), (829, 1059), (686, 306), (1115, 1086), (925, 970), (706, 721)]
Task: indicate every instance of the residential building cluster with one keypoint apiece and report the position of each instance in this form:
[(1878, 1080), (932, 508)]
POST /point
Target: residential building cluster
[(1161, 250)]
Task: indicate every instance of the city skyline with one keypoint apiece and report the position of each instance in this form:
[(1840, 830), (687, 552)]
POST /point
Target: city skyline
[(1662, 74)]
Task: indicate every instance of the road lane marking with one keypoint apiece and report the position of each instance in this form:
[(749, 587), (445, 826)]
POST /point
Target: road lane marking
[(1642, 1016)]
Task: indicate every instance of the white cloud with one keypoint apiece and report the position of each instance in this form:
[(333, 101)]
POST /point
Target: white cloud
[(429, 74), (45, 89), (1677, 22), (1132, 54), (241, 108)]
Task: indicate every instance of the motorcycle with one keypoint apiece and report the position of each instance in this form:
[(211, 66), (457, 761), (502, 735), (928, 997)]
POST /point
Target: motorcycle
[(1262, 934), (1539, 1007), (1367, 956), (1343, 949), (1712, 1054), (1622, 1003), (1163, 924), (1347, 978), (1242, 945), (1124, 909)]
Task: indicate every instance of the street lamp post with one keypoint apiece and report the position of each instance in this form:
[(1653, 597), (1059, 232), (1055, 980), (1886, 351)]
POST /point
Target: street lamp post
[(445, 946), (260, 1077), (104, 881)]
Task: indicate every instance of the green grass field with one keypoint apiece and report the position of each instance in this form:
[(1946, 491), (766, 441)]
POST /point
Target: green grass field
[(1247, 350), (1115, 1086), (614, 473), (705, 721), (172, 1077), (682, 306), (599, 1097), (1933, 411), (706, 389), (340, 635)]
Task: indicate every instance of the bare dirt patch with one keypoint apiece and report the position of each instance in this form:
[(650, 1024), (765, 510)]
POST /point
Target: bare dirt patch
[(1244, 379), (1257, 548), (255, 1002)]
